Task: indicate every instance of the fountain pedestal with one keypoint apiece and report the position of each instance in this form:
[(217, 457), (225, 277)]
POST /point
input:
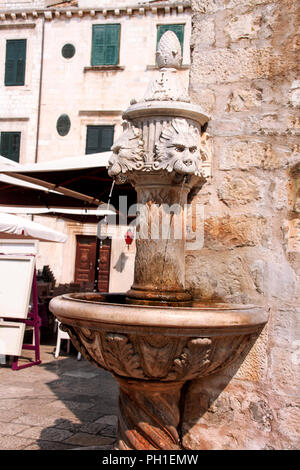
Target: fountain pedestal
[(152, 351), (154, 338)]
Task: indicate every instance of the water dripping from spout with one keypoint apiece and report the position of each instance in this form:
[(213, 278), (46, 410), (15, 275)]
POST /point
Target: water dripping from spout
[(99, 242)]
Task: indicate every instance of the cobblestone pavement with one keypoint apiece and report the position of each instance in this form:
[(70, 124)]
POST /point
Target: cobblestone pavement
[(58, 405)]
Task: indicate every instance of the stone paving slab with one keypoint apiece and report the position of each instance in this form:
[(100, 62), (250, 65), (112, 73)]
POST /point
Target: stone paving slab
[(61, 404), (85, 439)]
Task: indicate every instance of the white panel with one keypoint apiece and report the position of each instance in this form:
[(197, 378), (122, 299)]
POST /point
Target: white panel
[(16, 275), (11, 338), (20, 247)]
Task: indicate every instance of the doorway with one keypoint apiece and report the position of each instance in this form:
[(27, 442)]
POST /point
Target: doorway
[(86, 259)]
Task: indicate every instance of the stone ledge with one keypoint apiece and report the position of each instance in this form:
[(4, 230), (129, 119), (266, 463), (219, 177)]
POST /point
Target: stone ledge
[(100, 112), (103, 68), (130, 9), (13, 119), (18, 26), (155, 67)]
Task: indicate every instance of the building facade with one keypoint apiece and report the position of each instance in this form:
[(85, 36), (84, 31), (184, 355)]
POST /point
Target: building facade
[(70, 69)]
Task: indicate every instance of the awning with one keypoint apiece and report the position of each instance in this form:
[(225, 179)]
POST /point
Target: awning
[(12, 226), (55, 210), (84, 177), (15, 191)]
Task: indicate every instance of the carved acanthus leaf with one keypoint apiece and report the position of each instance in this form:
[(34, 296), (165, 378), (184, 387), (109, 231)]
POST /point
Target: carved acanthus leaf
[(84, 349), (120, 356), (194, 359)]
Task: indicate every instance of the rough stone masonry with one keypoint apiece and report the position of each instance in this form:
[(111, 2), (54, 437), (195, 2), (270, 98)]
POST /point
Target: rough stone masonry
[(245, 55)]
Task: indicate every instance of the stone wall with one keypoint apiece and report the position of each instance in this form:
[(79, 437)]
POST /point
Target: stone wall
[(244, 73)]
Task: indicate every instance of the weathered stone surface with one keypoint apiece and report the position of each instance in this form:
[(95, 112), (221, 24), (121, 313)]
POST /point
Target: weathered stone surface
[(253, 366), (261, 414), (243, 99), (243, 27), (280, 280), (241, 64), (289, 423), (294, 94), (232, 232), (220, 405), (203, 32), (251, 68), (203, 96), (222, 276), (284, 370), (291, 230), (239, 190), (247, 153)]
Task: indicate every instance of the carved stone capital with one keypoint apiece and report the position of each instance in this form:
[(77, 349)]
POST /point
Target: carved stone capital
[(169, 145)]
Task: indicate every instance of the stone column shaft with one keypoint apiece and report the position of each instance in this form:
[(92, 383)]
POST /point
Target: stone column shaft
[(160, 260), (148, 415)]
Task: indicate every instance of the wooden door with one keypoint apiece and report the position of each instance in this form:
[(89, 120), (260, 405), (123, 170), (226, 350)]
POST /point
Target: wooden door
[(85, 259), (104, 265)]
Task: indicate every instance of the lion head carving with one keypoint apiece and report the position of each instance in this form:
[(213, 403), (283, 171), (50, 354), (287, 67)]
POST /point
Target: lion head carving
[(128, 152), (178, 148)]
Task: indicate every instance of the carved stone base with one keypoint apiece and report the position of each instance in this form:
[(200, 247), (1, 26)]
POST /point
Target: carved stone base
[(148, 415), (152, 351)]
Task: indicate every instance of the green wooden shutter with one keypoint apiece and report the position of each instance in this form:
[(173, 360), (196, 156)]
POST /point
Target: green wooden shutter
[(10, 145), (178, 29), (92, 139), (105, 47), (15, 62), (99, 139), (5, 144), (107, 138)]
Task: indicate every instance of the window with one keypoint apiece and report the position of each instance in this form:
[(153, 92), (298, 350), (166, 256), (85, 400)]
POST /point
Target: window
[(68, 51), (99, 138), (63, 125), (15, 62), (105, 46), (10, 145), (178, 29)]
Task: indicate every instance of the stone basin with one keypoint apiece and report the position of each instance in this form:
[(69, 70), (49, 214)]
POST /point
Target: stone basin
[(152, 351)]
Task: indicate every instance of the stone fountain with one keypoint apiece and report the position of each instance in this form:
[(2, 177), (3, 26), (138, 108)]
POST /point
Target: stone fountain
[(155, 338)]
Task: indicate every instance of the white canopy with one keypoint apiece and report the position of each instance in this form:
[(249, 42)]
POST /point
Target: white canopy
[(93, 160), (52, 174), (24, 184), (57, 210), (6, 165), (20, 227)]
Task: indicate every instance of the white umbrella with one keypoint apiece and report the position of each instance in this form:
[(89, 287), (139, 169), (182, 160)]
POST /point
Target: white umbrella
[(12, 226), (7, 163), (55, 210)]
